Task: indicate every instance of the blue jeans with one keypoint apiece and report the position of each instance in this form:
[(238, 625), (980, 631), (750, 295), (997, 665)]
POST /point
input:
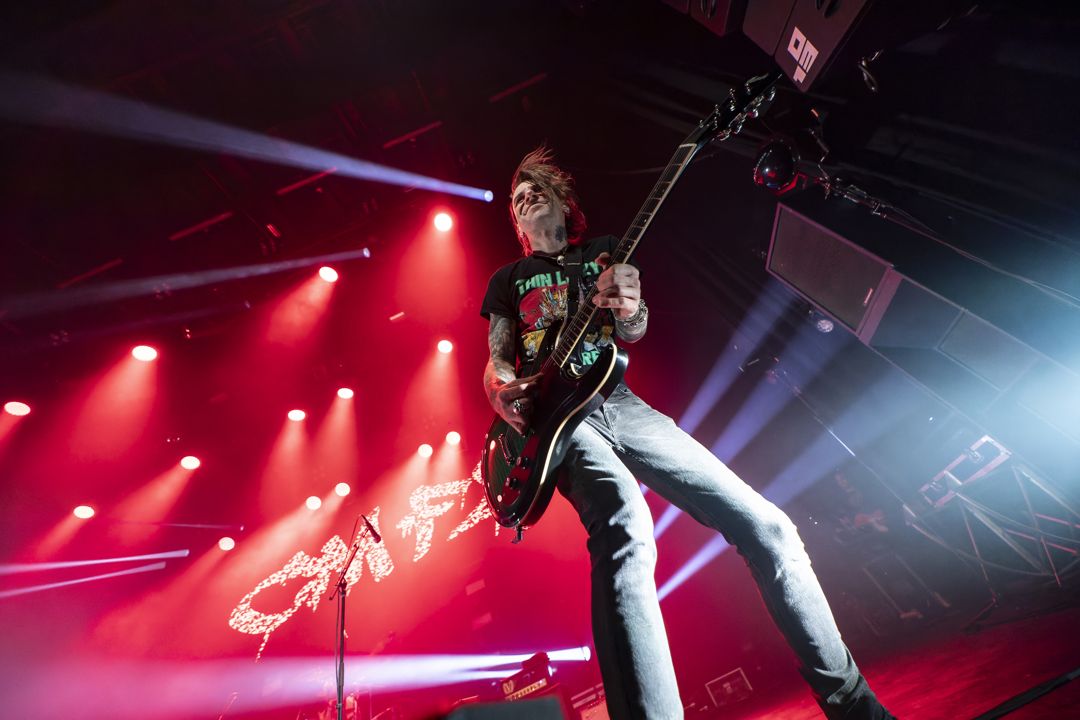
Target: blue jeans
[(626, 441)]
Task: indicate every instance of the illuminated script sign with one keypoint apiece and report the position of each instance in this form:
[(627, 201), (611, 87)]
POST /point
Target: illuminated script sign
[(426, 503)]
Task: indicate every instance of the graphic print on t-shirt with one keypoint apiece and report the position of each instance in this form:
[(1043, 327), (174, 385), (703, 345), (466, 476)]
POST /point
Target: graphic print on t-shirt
[(543, 301)]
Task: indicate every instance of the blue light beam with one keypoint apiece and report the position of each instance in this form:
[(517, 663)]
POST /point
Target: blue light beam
[(41, 101)]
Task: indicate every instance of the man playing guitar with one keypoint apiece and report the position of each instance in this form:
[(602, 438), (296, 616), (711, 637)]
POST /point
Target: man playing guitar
[(626, 441)]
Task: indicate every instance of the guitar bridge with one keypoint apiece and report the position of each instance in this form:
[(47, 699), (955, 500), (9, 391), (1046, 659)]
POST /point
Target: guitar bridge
[(505, 449)]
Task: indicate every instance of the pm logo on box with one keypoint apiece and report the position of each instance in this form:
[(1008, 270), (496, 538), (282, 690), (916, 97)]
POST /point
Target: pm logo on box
[(804, 53)]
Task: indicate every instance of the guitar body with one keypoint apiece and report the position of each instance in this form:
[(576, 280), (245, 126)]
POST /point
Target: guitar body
[(519, 471)]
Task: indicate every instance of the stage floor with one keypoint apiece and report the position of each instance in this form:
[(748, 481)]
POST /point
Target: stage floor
[(946, 673)]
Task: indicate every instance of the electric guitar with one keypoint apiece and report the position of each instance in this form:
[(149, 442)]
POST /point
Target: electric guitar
[(518, 470)]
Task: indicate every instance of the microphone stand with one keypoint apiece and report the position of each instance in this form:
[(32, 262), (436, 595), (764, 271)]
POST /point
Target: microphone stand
[(340, 591)]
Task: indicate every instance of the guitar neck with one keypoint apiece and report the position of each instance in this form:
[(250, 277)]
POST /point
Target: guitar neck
[(575, 328)]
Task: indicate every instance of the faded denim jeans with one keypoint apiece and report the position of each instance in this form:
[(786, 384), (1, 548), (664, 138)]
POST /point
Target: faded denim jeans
[(626, 441)]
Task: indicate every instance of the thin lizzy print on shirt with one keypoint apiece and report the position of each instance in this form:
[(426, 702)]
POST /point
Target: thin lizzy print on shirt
[(543, 301), (533, 290)]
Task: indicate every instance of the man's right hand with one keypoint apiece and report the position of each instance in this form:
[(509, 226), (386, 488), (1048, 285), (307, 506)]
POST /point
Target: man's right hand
[(514, 401)]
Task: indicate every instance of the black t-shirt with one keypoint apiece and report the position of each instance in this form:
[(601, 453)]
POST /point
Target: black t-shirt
[(533, 289)]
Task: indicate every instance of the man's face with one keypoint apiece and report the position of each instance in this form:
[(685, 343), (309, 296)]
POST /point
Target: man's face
[(536, 209)]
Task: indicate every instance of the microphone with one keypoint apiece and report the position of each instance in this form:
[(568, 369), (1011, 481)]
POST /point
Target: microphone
[(371, 529)]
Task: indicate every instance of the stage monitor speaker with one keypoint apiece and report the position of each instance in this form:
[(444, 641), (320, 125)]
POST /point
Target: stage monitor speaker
[(1003, 352), (807, 39), (546, 708), (837, 275)]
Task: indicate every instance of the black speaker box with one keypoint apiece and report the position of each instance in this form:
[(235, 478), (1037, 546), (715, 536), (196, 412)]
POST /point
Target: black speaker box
[(545, 708), (999, 348)]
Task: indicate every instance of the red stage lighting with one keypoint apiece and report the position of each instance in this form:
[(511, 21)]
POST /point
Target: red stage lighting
[(345, 393), (453, 437), (16, 408), (443, 222), (190, 462), (445, 346), (83, 512), (144, 353), (342, 489), (328, 274), (226, 543), (425, 451), (314, 502), (297, 415)]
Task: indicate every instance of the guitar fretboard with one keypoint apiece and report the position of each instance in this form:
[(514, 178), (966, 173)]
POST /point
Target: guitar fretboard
[(575, 328)]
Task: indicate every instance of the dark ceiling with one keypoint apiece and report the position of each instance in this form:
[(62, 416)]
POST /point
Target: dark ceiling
[(981, 113)]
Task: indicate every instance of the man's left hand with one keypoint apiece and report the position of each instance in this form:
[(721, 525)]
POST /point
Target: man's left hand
[(618, 288)]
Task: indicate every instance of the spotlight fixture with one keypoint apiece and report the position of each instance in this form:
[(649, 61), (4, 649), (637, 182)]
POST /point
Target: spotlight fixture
[(425, 451), (342, 489), (453, 437), (345, 393), (226, 543), (83, 512), (443, 222), (328, 274), (445, 346), (16, 408), (314, 502), (190, 462), (821, 322), (297, 415), (145, 353), (777, 166)]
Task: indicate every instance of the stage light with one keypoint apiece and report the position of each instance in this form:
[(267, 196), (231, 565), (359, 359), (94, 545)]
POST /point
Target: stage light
[(453, 437), (83, 512), (822, 322), (297, 415), (313, 502), (16, 408), (328, 274), (345, 393), (445, 346), (443, 222), (777, 167), (342, 489), (578, 654), (144, 353), (190, 462), (425, 451), (226, 543), (39, 101)]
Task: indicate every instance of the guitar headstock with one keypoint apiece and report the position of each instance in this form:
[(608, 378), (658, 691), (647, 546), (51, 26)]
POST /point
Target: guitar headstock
[(745, 102)]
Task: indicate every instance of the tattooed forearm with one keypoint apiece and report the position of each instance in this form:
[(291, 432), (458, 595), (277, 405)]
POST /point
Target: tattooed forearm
[(500, 367)]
